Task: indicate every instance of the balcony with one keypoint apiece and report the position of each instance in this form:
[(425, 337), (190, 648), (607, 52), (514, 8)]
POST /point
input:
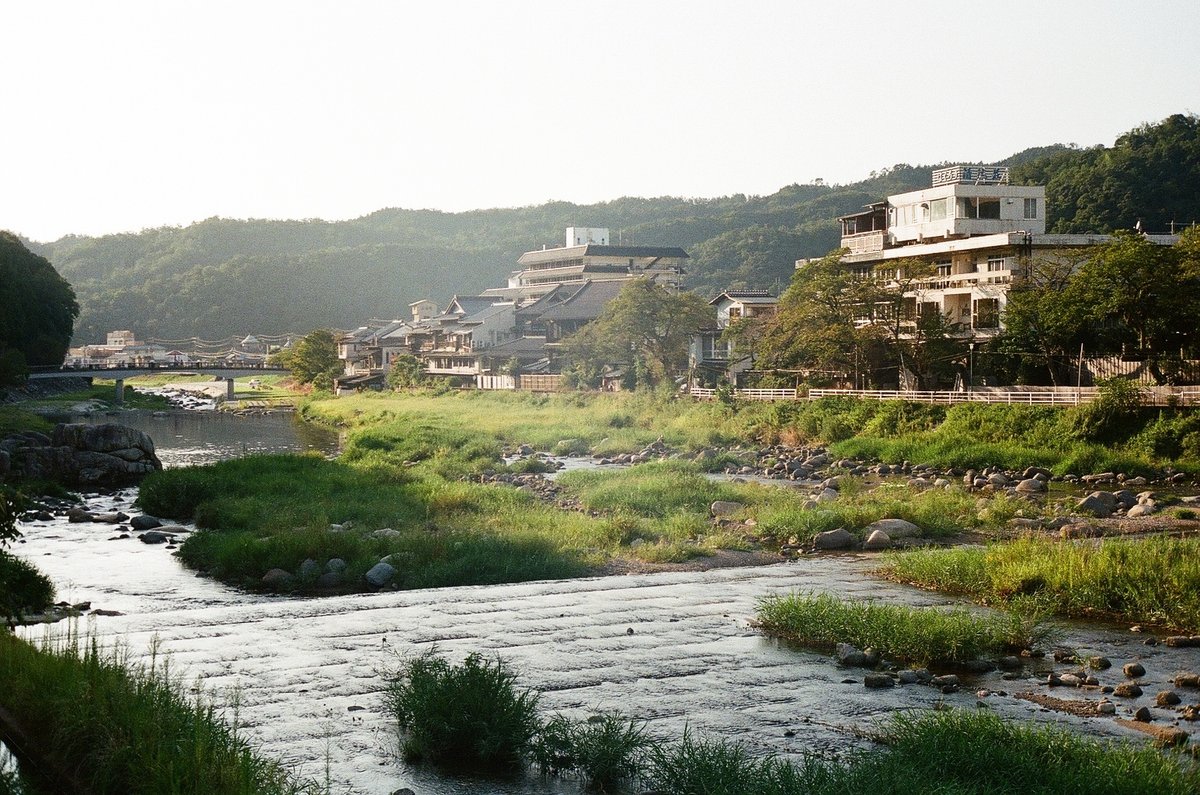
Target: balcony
[(865, 242)]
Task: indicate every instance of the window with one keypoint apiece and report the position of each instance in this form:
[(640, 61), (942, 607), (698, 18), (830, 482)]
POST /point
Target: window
[(1031, 208), (971, 207), (995, 264), (943, 268), (939, 209), (987, 313)]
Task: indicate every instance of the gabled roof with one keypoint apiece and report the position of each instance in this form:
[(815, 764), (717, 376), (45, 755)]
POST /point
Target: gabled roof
[(468, 304), (746, 297), (587, 303), (593, 250)]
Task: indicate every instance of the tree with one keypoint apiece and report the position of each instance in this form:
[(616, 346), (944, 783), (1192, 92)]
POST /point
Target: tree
[(313, 360), (37, 310), (1045, 319), (406, 372), (646, 325)]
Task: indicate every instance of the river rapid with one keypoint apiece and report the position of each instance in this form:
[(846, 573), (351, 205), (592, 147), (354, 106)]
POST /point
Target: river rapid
[(675, 649)]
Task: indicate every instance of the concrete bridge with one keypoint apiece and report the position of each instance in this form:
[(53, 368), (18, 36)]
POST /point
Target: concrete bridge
[(119, 374)]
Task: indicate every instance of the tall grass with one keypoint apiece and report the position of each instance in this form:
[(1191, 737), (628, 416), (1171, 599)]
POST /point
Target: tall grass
[(1154, 580), (902, 633), (471, 715), (604, 750), (125, 728)]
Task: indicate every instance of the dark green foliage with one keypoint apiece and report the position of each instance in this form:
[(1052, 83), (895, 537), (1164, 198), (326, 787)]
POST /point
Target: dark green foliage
[(37, 311), (1149, 174), (470, 715), (1110, 415), (133, 730), (313, 360), (23, 589), (645, 324), (603, 750)]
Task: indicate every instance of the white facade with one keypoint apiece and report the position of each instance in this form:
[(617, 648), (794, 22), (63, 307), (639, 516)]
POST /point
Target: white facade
[(586, 235)]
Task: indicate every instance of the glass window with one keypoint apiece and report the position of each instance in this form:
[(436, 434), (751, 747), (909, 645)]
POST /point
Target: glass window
[(938, 209), (1031, 208), (995, 264)]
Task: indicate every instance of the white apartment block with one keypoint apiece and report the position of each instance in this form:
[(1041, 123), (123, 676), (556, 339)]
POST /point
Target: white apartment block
[(974, 229)]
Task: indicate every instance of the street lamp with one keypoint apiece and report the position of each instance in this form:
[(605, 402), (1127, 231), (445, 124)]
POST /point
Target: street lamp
[(971, 367)]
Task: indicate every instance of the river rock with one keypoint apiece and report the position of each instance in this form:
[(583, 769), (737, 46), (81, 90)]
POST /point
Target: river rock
[(277, 578), (1106, 707), (1095, 505), (145, 522), (380, 574), (78, 515), (725, 508), (1167, 698), (154, 537), (895, 528), (833, 539), (1133, 670), (1031, 486), (849, 656), (1141, 509), (78, 454), (877, 540), (1127, 690), (110, 518), (309, 569), (335, 565), (878, 681)]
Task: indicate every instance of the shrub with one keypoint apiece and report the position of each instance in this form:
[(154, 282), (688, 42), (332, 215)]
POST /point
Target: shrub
[(604, 750), (23, 589), (471, 714)]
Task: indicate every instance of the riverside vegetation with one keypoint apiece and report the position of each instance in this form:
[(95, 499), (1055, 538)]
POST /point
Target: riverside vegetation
[(100, 722), (420, 484), (475, 713)]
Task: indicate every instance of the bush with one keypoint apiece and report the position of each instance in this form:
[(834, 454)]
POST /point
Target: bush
[(23, 589), (471, 714), (603, 750)]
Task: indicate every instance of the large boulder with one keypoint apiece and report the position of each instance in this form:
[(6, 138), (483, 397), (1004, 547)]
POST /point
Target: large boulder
[(895, 528), (82, 455), (833, 539)]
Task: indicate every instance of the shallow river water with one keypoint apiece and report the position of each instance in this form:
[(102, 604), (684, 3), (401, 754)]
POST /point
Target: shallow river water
[(676, 649)]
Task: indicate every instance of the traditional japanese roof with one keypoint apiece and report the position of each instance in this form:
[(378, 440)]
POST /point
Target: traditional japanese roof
[(587, 303)]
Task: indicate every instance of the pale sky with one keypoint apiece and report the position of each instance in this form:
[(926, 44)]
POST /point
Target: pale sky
[(124, 115)]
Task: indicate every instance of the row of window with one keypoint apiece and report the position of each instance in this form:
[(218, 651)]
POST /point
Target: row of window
[(965, 207)]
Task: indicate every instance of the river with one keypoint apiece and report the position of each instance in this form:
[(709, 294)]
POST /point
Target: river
[(675, 649)]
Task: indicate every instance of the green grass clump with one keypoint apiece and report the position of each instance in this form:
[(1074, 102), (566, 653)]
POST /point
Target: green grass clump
[(1152, 580), (604, 750), (122, 728), (952, 752), (903, 633), (471, 715), (655, 489)]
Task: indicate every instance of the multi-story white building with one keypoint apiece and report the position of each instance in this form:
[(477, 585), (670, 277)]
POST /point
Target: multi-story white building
[(975, 231)]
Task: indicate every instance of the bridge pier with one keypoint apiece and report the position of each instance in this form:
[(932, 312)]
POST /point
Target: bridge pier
[(229, 388), (120, 396)]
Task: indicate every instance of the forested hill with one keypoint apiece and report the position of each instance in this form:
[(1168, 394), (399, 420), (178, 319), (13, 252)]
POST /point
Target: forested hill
[(220, 277)]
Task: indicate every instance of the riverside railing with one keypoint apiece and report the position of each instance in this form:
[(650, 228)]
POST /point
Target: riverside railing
[(1049, 396)]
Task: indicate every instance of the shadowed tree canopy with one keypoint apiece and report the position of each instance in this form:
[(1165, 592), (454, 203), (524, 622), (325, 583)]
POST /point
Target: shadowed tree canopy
[(37, 310), (312, 360), (646, 325)]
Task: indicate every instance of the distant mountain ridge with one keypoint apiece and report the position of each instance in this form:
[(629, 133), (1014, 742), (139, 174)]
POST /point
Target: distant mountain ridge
[(220, 277)]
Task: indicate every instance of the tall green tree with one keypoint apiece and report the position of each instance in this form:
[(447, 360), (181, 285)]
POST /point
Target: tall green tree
[(37, 310), (647, 326), (313, 360)]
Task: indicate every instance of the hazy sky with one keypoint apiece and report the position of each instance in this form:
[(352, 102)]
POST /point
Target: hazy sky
[(124, 115)]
